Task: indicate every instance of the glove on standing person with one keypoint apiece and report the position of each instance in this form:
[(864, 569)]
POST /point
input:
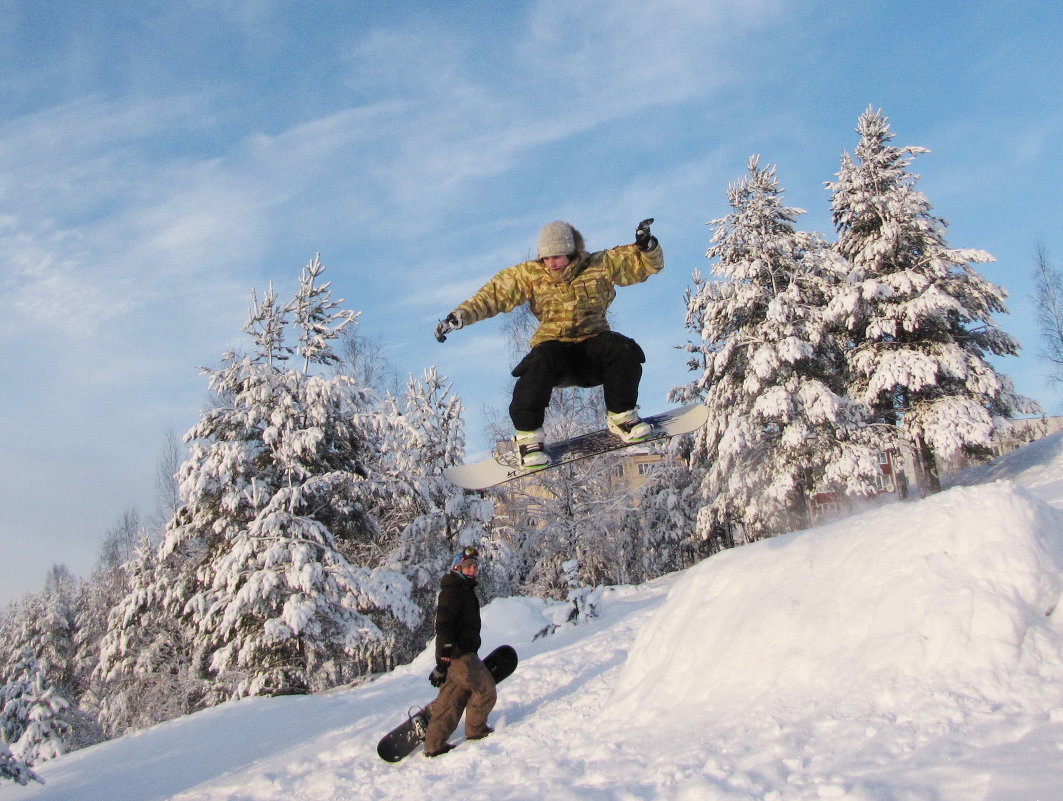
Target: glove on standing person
[(439, 672)]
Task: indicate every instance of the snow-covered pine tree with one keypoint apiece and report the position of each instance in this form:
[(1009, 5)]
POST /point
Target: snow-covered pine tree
[(272, 481), (15, 686), (426, 435), (424, 519), (320, 319), (265, 326), (778, 427), (34, 717), (144, 674), (21, 628), (47, 626), (920, 316), (659, 527), (14, 769), (569, 512), (127, 547), (417, 436), (42, 624), (56, 649)]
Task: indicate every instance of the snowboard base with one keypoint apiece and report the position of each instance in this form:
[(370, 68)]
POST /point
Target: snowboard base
[(506, 466)]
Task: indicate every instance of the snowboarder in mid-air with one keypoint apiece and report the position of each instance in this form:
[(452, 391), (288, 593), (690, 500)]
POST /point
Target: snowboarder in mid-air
[(465, 684), (569, 291)]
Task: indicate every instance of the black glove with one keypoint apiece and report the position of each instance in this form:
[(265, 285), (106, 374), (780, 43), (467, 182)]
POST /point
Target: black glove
[(451, 323), (644, 240), (438, 674)]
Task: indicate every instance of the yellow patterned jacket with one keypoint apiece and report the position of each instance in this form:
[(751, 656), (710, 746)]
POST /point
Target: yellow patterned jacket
[(572, 306)]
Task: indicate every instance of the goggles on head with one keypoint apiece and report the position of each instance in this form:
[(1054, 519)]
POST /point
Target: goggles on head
[(471, 552)]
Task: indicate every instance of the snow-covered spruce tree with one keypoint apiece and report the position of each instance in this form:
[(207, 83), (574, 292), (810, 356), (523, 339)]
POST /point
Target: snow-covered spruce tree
[(14, 769), (34, 717), (272, 482), (18, 666), (423, 518), (22, 628), (106, 588), (47, 626), (659, 527), (266, 323), (56, 650), (134, 654), (44, 624), (416, 436), (920, 316), (570, 512), (144, 674), (770, 373), (319, 319)]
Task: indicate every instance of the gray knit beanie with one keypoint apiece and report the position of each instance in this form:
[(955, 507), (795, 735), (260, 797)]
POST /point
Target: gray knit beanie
[(556, 239)]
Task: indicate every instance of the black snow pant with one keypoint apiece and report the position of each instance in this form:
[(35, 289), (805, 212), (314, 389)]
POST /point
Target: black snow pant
[(610, 360)]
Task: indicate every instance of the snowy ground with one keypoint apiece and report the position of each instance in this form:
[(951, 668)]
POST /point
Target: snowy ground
[(911, 653)]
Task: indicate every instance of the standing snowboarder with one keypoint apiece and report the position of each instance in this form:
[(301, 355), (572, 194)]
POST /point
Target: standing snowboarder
[(569, 292), (465, 684)]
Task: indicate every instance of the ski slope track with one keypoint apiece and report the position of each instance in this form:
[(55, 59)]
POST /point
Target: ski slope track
[(910, 653)]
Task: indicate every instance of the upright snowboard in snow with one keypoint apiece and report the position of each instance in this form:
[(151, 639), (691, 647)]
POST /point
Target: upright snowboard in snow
[(400, 741), (504, 467)]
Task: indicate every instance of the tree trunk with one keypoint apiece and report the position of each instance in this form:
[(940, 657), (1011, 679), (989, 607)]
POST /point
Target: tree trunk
[(926, 466)]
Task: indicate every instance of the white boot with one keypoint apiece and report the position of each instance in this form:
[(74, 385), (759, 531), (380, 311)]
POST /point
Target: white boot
[(628, 425), (530, 448)]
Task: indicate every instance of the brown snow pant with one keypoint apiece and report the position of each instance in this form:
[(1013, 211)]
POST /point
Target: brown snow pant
[(469, 688)]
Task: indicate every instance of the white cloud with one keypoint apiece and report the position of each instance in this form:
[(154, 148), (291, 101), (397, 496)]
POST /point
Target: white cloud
[(610, 59), (135, 219), (44, 290)]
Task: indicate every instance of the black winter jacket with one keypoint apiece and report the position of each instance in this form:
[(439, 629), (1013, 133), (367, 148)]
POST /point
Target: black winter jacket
[(458, 615)]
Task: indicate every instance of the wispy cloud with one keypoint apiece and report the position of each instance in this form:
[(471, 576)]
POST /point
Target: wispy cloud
[(155, 165), (611, 59)]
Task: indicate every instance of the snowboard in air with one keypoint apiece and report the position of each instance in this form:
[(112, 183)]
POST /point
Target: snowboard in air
[(506, 466), (404, 738)]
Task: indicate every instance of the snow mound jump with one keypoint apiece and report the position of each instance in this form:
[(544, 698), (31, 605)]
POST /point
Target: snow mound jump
[(956, 591)]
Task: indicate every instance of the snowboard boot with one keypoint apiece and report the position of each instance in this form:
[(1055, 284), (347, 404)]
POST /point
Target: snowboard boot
[(628, 425), (530, 448)]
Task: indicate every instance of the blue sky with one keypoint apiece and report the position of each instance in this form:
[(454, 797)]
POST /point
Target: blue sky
[(158, 160)]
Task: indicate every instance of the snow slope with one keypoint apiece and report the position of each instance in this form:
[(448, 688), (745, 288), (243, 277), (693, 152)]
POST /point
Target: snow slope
[(910, 653)]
